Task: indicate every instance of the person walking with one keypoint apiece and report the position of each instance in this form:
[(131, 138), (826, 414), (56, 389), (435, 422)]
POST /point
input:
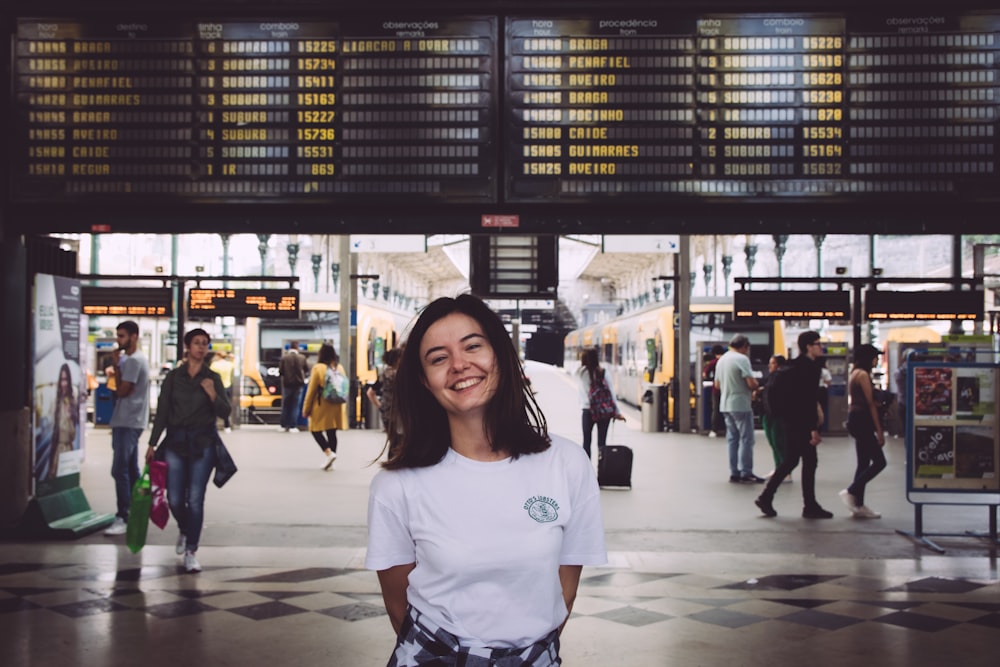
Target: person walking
[(191, 399), (480, 521), (324, 417), (798, 418), (292, 369), (767, 422), (222, 363), (865, 426), (718, 425), (735, 379), (129, 418), (380, 393), (588, 375)]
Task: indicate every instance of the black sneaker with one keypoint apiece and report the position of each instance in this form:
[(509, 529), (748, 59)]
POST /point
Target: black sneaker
[(752, 479), (735, 479), (816, 512), (765, 507)]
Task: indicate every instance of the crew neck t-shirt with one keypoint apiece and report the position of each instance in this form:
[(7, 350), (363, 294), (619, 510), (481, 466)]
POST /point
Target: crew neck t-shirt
[(488, 539)]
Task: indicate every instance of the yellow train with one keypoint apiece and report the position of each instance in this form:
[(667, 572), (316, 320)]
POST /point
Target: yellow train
[(639, 349)]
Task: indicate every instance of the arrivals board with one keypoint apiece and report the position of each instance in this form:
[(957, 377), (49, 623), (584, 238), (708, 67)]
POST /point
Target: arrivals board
[(280, 110), (773, 106), (639, 107), (271, 303)]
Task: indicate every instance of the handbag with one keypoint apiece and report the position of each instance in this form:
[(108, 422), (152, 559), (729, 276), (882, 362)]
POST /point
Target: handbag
[(159, 514), (138, 513)]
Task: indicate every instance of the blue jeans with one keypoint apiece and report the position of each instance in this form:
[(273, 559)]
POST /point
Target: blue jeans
[(290, 406), (187, 480), (124, 465), (739, 436)]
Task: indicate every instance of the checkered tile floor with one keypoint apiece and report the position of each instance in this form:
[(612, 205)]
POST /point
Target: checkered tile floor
[(261, 612)]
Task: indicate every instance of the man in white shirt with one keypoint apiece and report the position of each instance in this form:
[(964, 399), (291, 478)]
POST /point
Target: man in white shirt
[(735, 379)]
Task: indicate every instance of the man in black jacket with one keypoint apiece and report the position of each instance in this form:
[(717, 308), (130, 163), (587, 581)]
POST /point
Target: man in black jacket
[(797, 419)]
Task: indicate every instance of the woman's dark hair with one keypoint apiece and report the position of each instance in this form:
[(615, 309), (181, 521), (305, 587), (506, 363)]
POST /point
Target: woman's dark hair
[(864, 356), (779, 359), (60, 395), (590, 359), (327, 355), (190, 335), (422, 436), (64, 371)]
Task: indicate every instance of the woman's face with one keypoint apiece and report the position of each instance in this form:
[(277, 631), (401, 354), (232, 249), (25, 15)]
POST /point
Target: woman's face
[(772, 365), (459, 364), (198, 349), (64, 381)]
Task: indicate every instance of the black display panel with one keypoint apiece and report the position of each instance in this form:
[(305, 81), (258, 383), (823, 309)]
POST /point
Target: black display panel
[(270, 303), (127, 301), (924, 305), (270, 110), (760, 107), (791, 304)]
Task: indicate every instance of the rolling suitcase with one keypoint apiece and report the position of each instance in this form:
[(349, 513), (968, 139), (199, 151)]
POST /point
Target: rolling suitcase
[(614, 467)]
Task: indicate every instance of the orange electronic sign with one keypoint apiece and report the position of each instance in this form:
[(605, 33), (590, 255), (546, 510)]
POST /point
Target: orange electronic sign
[(270, 303)]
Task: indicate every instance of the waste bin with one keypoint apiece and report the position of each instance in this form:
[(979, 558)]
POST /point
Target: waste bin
[(104, 405), (652, 409)]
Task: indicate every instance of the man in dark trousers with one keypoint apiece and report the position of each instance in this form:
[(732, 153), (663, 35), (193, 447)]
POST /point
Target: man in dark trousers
[(292, 369), (797, 420), (718, 425)]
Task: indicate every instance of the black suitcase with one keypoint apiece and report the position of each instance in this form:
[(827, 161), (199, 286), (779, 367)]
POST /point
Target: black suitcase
[(614, 467)]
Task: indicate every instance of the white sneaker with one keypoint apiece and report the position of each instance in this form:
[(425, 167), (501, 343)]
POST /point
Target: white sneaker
[(865, 512), (282, 429), (329, 461), (713, 434), (181, 545), (117, 528), (849, 500), (295, 430), (191, 563), (228, 429)]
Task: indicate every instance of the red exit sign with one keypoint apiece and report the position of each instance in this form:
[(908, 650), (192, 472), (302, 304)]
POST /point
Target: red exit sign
[(501, 221)]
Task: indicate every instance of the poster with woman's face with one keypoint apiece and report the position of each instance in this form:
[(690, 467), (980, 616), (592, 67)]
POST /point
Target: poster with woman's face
[(59, 385)]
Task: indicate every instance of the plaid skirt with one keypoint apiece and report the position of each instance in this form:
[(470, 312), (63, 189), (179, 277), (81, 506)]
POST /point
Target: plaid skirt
[(421, 643)]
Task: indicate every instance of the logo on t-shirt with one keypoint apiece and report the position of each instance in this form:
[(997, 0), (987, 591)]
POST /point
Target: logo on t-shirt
[(542, 509)]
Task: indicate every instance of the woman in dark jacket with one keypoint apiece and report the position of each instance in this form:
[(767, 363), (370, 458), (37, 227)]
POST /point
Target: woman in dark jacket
[(191, 399)]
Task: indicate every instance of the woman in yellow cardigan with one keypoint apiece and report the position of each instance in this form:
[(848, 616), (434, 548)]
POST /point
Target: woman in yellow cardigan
[(324, 417)]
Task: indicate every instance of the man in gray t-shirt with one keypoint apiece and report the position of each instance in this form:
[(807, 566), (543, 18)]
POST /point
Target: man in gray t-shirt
[(130, 371), (735, 379)]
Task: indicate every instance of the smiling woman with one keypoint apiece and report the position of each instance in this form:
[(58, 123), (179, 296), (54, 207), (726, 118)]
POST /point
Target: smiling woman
[(477, 502)]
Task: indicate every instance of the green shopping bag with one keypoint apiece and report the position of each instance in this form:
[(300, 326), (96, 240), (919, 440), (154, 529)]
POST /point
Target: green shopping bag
[(138, 513)]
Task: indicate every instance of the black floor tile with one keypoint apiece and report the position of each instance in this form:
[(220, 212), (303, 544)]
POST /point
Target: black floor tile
[(296, 576), (937, 585), (781, 582), (633, 616), (283, 595), (178, 609), (13, 605), (89, 607), (25, 591), (194, 593), (267, 610), (353, 612), (820, 619), (20, 568), (990, 621), (891, 604), (913, 621), (982, 606), (804, 603), (726, 618), (715, 602)]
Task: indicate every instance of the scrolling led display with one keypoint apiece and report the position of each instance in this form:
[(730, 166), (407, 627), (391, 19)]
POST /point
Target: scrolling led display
[(215, 111), (270, 303), (791, 304), (924, 305), (127, 301)]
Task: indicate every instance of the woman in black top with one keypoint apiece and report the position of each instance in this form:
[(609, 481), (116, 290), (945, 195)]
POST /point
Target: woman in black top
[(191, 399), (865, 427)]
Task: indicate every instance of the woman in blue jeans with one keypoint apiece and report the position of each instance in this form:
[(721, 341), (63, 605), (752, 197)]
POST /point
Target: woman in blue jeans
[(865, 427), (191, 399)]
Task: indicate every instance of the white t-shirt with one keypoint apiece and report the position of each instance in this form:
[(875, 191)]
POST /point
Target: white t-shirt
[(488, 539)]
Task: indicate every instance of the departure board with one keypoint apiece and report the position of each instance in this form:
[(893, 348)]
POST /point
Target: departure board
[(229, 111), (753, 106), (273, 303)]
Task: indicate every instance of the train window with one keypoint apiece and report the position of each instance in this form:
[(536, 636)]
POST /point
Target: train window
[(609, 352)]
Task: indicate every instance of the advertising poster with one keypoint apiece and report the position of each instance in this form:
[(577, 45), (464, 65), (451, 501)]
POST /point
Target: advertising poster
[(933, 392), (974, 394), (59, 384), (934, 451), (974, 452)]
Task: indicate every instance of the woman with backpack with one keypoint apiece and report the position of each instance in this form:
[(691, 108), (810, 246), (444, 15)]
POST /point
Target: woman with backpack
[(597, 399), (325, 416)]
